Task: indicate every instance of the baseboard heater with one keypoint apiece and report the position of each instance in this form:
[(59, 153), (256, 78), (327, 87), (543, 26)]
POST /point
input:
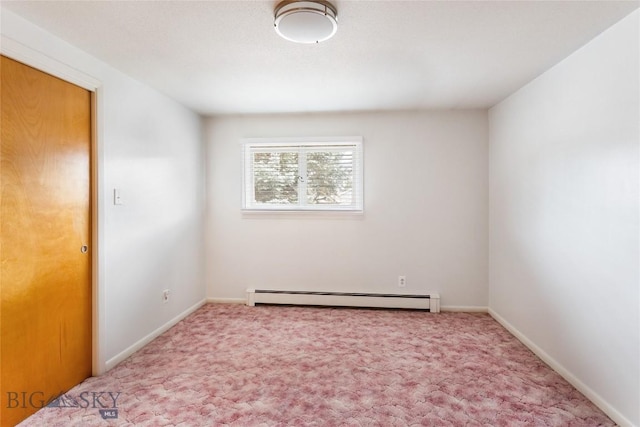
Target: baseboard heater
[(429, 302)]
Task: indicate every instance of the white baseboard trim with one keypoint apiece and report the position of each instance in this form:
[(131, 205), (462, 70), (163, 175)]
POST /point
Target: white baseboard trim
[(465, 308), (594, 397), (226, 301), (114, 361)]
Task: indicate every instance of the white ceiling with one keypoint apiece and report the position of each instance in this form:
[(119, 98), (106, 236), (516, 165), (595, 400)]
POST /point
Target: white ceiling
[(220, 57)]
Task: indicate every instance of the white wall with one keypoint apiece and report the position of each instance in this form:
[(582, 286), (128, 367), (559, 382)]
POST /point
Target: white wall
[(151, 149), (564, 256), (425, 210)]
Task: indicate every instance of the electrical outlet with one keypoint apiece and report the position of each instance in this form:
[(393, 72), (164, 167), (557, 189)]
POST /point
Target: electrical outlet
[(402, 281), (165, 295)]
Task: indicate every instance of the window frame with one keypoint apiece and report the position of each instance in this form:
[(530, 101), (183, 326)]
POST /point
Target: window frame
[(303, 146)]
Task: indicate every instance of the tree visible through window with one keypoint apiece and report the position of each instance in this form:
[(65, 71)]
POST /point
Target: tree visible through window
[(303, 175), (275, 177)]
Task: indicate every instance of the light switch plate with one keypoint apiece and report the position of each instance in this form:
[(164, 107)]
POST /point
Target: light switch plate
[(117, 200)]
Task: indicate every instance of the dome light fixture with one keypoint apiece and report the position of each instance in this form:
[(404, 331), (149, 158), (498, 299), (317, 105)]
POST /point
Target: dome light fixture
[(306, 21)]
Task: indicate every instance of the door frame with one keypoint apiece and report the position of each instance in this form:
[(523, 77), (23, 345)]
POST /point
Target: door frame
[(40, 61)]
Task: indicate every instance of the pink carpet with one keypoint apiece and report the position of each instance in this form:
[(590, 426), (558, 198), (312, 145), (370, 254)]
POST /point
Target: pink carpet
[(295, 366)]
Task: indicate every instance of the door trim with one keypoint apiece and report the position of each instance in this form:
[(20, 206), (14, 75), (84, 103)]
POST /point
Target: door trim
[(28, 56), (40, 61)]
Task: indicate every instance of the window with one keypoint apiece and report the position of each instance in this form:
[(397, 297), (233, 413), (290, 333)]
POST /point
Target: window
[(303, 174)]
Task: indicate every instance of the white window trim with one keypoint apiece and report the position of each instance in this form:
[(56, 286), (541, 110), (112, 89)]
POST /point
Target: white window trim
[(247, 173)]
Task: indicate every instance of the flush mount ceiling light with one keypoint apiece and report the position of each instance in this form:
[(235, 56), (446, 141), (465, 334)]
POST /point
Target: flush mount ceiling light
[(306, 21)]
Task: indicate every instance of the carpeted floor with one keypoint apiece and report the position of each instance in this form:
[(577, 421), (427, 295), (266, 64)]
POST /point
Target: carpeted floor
[(306, 366)]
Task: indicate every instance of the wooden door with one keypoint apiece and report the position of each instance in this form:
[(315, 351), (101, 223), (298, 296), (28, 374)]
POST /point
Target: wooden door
[(45, 202)]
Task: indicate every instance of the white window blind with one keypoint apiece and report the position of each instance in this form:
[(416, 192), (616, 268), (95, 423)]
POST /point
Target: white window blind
[(303, 174)]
